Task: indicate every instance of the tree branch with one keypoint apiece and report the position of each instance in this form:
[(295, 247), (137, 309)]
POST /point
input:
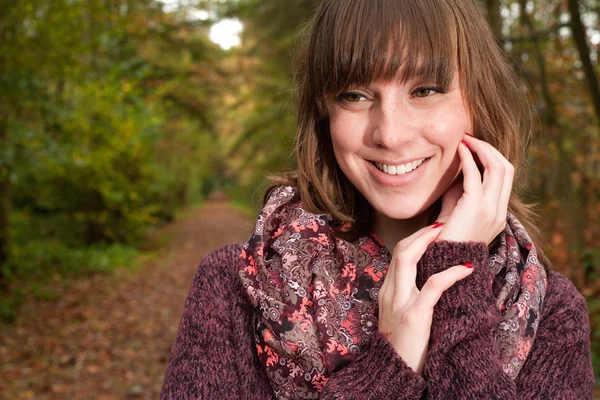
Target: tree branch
[(539, 35), (580, 38)]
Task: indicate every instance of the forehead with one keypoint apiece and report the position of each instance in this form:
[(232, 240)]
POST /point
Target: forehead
[(364, 41)]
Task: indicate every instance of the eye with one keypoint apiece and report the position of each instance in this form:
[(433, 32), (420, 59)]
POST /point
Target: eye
[(351, 97), (426, 91)]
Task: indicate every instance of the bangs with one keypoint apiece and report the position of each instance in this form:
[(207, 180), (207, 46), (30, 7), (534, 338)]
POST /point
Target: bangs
[(359, 42)]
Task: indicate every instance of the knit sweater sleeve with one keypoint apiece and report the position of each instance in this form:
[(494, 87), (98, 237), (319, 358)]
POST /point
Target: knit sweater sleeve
[(213, 356), (463, 357), (379, 373)]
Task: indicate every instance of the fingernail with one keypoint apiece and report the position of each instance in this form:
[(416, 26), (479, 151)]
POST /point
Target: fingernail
[(468, 265), (463, 142), (468, 134), (437, 224)]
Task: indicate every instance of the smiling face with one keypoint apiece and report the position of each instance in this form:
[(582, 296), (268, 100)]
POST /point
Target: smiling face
[(396, 142), (366, 97)]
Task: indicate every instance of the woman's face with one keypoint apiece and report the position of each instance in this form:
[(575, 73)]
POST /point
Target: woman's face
[(397, 142)]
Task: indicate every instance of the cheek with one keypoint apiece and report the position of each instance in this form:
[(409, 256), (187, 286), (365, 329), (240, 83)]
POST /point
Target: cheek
[(336, 132), (346, 136), (446, 127)]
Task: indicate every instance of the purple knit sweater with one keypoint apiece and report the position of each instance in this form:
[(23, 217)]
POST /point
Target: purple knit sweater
[(214, 356)]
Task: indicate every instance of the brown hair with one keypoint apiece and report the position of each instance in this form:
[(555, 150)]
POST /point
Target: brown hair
[(363, 41)]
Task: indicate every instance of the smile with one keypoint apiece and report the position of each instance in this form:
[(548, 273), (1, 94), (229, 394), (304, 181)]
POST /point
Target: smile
[(399, 169)]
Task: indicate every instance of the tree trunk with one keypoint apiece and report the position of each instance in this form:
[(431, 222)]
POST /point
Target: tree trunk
[(578, 201), (550, 112), (494, 18), (5, 202), (583, 48)]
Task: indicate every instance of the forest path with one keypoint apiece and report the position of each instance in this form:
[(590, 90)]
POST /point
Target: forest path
[(109, 336)]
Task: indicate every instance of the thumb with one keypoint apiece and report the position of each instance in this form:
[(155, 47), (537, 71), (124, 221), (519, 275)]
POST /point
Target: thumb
[(437, 284)]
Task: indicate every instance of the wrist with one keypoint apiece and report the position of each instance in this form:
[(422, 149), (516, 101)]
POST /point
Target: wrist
[(412, 350)]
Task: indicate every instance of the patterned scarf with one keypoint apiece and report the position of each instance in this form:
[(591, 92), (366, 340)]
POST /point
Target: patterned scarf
[(315, 296)]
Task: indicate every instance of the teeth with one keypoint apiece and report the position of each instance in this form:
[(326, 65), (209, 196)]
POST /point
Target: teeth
[(399, 169)]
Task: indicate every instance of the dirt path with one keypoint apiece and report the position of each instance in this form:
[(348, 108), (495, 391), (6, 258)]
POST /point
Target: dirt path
[(109, 336)]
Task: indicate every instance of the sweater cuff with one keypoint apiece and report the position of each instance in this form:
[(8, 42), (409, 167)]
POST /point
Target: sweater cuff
[(401, 381), (467, 307), (440, 256), (378, 372)]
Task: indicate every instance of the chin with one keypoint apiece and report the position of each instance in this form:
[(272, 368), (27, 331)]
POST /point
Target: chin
[(401, 210)]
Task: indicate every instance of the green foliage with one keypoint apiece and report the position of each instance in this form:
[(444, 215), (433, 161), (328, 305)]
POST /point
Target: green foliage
[(46, 258), (46, 250), (258, 121), (93, 165), (10, 303), (106, 128), (40, 251)]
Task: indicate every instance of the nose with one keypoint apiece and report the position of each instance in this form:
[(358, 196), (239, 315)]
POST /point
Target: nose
[(394, 125)]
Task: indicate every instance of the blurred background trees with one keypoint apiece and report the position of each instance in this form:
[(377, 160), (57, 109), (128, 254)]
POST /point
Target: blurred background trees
[(106, 127), (115, 113)]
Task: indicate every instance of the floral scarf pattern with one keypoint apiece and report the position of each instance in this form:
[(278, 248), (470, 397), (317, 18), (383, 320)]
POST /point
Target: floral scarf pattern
[(315, 296)]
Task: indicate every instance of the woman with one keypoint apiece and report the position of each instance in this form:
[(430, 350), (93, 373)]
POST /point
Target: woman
[(398, 262)]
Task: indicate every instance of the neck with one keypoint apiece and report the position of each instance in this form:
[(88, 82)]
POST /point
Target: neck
[(390, 231)]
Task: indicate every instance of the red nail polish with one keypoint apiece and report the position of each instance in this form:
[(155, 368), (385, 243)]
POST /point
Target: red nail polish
[(468, 134), (437, 224), (468, 265), (463, 142)]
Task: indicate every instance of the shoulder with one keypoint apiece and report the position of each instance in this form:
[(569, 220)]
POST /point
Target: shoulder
[(221, 256), (564, 306), (217, 272), (561, 291)]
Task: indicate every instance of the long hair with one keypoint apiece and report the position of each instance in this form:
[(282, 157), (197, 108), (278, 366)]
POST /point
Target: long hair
[(356, 42)]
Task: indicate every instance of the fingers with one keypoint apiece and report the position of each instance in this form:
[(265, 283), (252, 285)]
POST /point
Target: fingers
[(471, 174), (450, 200), (493, 169), (403, 254), (404, 263), (436, 285), (386, 292), (497, 179), (496, 167), (504, 197), (405, 243)]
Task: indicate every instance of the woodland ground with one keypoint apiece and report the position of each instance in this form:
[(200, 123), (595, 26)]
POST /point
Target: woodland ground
[(109, 336)]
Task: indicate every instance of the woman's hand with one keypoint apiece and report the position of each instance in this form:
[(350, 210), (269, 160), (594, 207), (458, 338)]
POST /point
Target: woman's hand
[(474, 208), (405, 313)]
